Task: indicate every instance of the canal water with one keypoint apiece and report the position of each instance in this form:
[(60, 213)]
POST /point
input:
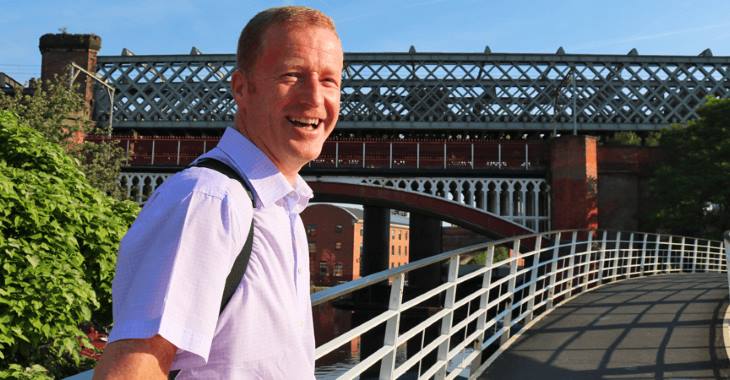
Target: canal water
[(330, 322)]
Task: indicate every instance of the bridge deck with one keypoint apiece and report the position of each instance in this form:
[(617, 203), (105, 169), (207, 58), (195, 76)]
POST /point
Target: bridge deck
[(662, 327)]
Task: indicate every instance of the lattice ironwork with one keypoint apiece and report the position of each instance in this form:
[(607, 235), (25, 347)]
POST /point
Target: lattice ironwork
[(439, 90), (525, 201)]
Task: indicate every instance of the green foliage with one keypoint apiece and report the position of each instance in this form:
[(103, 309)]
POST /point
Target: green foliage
[(58, 242), (58, 111), (500, 253), (634, 139), (53, 109), (18, 372), (690, 188)]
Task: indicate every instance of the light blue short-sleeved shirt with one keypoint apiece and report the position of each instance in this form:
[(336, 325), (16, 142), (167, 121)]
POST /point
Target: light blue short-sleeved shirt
[(174, 260)]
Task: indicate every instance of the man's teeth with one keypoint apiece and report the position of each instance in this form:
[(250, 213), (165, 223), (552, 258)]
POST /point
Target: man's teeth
[(305, 122)]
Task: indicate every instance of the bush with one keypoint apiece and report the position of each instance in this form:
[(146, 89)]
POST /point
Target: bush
[(58, 242), (690, 188), (59, 113)]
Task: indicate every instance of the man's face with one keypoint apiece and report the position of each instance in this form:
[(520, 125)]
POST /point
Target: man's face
[(289, 101)]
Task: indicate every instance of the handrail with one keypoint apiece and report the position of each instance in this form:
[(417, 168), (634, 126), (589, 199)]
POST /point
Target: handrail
[(482, 309), (521, 155)]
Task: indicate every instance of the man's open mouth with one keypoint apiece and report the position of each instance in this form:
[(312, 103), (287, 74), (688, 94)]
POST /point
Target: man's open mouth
[(304, 122)]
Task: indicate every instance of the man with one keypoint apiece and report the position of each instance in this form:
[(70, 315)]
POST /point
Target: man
[(174, 260)]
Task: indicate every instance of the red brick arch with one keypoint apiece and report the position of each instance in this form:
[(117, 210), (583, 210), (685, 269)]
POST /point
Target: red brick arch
[(464, 216)]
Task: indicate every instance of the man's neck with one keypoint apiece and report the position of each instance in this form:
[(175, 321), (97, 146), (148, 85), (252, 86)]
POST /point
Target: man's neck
[(290, 174)]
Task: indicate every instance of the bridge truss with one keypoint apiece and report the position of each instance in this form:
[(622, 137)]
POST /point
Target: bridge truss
[(436, 91)]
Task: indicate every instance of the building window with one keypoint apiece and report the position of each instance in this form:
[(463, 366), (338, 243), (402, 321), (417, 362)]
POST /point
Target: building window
[(399, 235), (338, 270), (392, 250), (311, 230), (398, 250), (312, 247), (338, 245), (323, 268), (338, 228), (361, 232)]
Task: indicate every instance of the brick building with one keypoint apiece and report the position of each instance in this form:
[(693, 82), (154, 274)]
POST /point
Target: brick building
[(335, 242)]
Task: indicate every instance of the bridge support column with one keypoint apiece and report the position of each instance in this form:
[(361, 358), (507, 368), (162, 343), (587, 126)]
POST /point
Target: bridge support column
[(425, 240), (376, 239), (574, 185), (374, 300)]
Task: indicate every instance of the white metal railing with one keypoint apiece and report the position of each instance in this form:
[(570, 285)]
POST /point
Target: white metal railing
[(482, 308)]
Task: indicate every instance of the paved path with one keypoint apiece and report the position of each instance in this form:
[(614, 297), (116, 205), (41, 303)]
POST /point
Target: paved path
[(662, 327)]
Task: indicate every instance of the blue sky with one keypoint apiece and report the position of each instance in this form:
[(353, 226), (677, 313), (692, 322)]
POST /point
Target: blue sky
[(672, 27)]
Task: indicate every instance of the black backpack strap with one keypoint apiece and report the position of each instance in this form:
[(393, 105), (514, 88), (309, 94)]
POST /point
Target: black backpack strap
[(241, 262)]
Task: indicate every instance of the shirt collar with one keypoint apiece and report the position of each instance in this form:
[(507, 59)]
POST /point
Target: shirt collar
[(268, 183)]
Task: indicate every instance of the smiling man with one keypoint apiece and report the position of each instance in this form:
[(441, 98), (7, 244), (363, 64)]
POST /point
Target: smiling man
[(174, 261)]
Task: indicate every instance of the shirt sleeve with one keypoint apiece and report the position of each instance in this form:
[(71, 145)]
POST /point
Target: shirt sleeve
[(174, 261)]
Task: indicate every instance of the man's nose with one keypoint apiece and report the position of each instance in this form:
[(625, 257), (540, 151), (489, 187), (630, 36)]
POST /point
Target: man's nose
[(311, 91)]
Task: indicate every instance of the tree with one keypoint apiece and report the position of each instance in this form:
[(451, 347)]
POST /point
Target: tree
[(58, 243), (58, 111), (689, 189)]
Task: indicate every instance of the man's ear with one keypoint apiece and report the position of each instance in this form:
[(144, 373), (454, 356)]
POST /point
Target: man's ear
[(239, 87)]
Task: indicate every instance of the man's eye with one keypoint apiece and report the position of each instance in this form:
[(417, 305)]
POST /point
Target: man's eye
[(331, 82)]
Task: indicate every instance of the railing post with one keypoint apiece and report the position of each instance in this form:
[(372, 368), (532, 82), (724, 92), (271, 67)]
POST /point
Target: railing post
[(602, 263), (616, 254), (571, 261), (387, 365), (337, 154), (472, 155), (152, 158), (707, 257), (484, 298), (445, 155), (587, 263), (694, 259), (681, 255), (643, 254), (177, 159), (447, 320), (533, 278), (418, 155), (390, 156), (630, 266), (726, 242), (363, 154), (553, 269), (670, 246), (656, 253), (507, 321)]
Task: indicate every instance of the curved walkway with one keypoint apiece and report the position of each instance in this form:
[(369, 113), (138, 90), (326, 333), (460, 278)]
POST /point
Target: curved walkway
[(659, 327)]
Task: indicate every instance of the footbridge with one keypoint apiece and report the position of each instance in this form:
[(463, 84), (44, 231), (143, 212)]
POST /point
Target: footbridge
[(557, 304)]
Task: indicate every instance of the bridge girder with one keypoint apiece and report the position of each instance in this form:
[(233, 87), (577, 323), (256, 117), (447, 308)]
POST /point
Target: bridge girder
[(528, 92)]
